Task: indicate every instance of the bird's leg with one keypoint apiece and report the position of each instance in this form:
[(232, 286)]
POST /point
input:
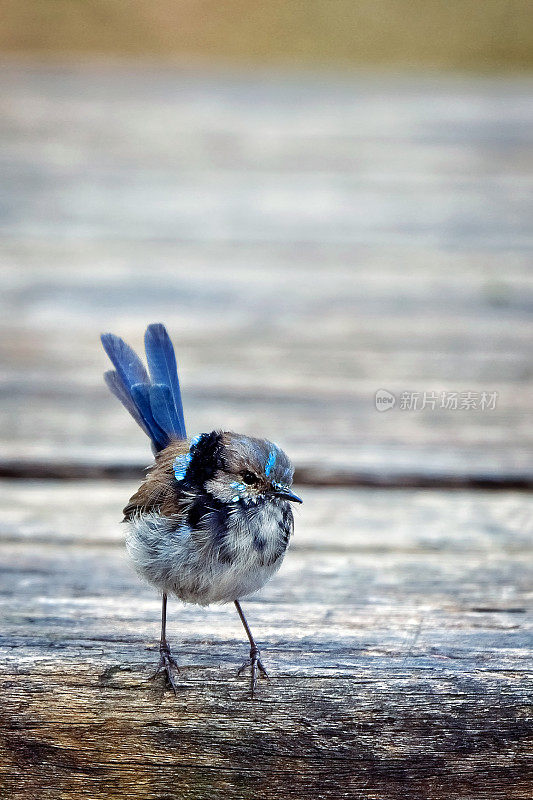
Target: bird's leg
[(254, 662), (166, 660)]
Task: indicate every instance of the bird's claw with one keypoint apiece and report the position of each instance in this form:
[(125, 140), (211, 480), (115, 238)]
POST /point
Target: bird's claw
[(166, 667), (256, 665)]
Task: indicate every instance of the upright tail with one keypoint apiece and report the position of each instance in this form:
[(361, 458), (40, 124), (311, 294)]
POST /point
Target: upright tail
[(153, 400)]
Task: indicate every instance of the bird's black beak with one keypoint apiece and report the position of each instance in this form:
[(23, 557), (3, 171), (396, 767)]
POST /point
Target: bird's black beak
[(287, 494)]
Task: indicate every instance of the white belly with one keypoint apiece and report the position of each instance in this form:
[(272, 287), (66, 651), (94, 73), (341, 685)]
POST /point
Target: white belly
[(175, 562)]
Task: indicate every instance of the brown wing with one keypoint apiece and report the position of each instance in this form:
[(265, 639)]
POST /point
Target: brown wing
[(158, 491)]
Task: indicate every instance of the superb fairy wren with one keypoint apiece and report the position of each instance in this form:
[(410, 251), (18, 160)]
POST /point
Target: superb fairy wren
[(212, 521)]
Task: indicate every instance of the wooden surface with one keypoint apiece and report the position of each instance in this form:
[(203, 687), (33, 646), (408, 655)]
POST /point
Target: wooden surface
[(308, 241), (397, 634)]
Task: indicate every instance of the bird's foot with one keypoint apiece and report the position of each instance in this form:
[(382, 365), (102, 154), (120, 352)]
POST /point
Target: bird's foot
[(167, 665), (256, 665)]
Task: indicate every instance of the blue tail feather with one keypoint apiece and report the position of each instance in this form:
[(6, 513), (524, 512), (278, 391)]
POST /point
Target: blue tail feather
[(154, 400), (162, 405), (140, 393), (125, 360), (116, 386), (163, 368)]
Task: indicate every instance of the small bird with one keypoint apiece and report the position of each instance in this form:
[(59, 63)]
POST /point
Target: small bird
[(212, 520)]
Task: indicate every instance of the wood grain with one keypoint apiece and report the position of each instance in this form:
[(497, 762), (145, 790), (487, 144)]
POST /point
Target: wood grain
[(397, 633), (307, 241)]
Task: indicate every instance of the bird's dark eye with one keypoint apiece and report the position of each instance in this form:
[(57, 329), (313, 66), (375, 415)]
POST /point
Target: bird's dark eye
[(249, 477)]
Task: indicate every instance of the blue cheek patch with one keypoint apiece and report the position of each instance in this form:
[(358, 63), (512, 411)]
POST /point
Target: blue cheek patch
[(239, 487)]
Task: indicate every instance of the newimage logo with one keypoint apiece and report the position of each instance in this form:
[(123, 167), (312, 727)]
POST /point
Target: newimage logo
[(384, 400)]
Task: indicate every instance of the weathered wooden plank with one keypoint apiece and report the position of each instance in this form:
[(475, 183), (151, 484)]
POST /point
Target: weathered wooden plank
[(290, 375), (330, 520), (165, 155), (360, 741), (355, 234), (397, 631)]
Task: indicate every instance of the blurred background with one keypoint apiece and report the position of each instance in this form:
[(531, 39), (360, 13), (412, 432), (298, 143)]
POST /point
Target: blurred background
[(321, 200), (458, 34), (329, 205)]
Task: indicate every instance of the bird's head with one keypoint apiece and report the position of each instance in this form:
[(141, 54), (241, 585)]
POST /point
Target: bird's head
[(237, 469)]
